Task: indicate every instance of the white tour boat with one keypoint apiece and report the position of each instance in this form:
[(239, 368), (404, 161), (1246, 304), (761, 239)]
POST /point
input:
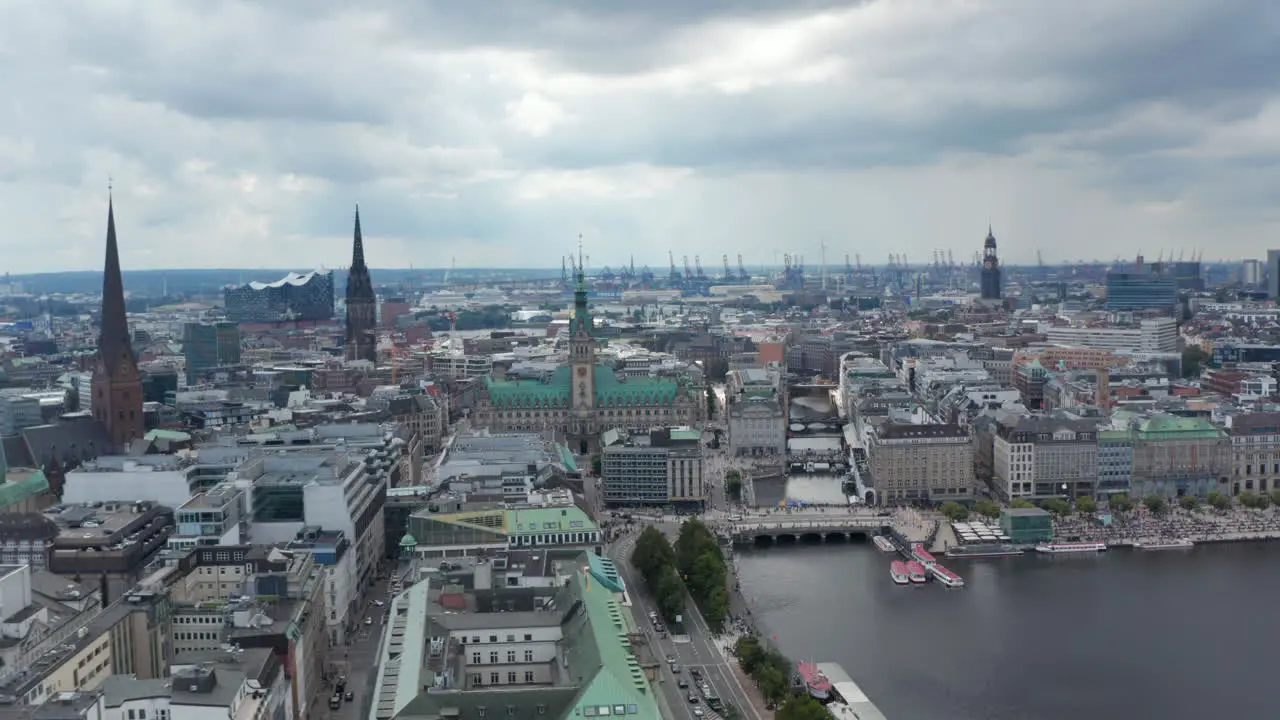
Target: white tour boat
[(1180, 544), (1071, 547), (883, 543)]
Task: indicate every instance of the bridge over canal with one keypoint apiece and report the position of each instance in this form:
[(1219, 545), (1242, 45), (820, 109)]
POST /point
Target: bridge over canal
[(817, 527)]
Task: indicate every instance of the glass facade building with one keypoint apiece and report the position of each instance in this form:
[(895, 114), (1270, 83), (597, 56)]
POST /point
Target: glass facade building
[(1141, 291), (293, 297)]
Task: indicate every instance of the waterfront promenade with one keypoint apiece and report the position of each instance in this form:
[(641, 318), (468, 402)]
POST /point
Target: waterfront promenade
[(1202, 526)]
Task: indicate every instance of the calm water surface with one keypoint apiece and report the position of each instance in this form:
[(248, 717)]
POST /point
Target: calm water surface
[(1168, 635)]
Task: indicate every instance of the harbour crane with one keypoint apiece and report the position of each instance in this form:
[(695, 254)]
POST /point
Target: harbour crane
[(742, 270), (675, 274), (688, 272), (697, 264), (728, 273)]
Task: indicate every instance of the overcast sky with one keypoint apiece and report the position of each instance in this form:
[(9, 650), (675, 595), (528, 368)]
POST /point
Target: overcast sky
[(493, 132)]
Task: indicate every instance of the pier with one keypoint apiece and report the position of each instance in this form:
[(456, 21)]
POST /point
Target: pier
[(851, 703)]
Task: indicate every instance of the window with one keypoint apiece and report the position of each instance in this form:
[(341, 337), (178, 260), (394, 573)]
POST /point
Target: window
[(528, 656), (493, 657), (493, 638), (511, 656), (528, 677), (528, 637), (619, 709), (494, 678), (475, 658), (511, 677), (511, 638), (475, 638)]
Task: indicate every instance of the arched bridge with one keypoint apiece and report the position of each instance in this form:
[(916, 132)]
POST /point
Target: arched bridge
[(809, 528)]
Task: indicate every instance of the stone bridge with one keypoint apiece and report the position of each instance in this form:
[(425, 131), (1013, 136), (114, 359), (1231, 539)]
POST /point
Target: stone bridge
[(810, 528)]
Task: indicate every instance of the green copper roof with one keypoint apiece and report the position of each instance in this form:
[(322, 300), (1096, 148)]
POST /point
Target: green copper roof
[(525, 521), (555, 392), (15, 491), (600, 652), (1174, 427)]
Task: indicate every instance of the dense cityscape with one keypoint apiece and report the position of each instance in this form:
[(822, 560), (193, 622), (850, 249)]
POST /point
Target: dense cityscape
[(568, 360), (430, 498)]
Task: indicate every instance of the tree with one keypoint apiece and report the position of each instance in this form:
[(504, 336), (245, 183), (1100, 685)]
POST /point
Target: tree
[(1086, 504), (733, 485), (1194, 359), (597, 464), (954, 510), (1219, 501), (1189, 503), (802, 707), (1022, 504), (1120, 502), (701, 564), (1264, 501), (1248, 498), (1057, 506), (987, 509), (711, 402), (1275, 497), (1155, 504)]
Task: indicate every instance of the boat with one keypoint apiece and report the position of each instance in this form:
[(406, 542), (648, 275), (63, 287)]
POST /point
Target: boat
[(883, 543), (924, 557), (980, 550), (1071, 547), (946, 577), (898, 571), (1180, 544), (814, 681), (916, 572)]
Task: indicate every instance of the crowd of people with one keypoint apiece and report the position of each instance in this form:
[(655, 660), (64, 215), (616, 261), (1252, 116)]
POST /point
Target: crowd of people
[(1175, 524)]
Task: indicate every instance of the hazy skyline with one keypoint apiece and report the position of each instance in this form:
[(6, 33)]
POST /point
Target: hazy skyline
[(243, 134)]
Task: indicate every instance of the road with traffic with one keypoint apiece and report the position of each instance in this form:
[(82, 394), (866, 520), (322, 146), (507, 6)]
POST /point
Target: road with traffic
[(681, 655)]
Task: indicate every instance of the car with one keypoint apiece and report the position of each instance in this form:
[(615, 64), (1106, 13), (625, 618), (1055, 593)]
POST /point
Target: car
[(675, 668), (695, 672), (368, 621), (698, 712), (682, 684), (693, 699), (379, 603), (350, 696)]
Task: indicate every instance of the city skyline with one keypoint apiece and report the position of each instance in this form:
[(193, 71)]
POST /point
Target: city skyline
[(1079, 130)]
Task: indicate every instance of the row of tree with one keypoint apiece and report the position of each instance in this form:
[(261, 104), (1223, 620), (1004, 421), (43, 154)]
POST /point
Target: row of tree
[(772, 674), (702, 565), (1119, 503), (733, 485), (654, 557)]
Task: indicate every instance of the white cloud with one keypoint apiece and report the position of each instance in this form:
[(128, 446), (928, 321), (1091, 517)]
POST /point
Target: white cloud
[(242, 133)]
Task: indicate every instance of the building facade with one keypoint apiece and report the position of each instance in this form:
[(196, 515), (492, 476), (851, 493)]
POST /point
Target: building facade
[(664, 467), (208, 346), (1154, 335), (1255, 453), (1175, 456), (918, 463), (1141, 290), (1045, 457)]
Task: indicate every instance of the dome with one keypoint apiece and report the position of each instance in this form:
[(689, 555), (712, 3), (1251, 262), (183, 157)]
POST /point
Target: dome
[(408, 541)]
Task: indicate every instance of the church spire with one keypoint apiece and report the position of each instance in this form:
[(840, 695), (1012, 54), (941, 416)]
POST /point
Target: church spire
[(357, 249), (113, 342)]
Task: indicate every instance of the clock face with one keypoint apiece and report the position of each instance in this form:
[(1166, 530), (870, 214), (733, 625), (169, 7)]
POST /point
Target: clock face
[(582, 372)]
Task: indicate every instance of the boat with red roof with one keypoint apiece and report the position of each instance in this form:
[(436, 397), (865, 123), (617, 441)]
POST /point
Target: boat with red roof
[(815, 681), (916, 572), (924, 557), (946, 577), (898, 571)]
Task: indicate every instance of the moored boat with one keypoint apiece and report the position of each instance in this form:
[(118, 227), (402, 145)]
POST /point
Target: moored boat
[(924, 557), (1179, 544), (898, 571), (814, 680), (946, 577), (1071, 547), (916, 572), (980, 550), (883, 543)]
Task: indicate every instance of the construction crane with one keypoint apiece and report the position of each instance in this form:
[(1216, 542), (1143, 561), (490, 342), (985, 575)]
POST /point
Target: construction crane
[(728, 274), (697, 264), (675, 274), (742, 270), (688, 272)]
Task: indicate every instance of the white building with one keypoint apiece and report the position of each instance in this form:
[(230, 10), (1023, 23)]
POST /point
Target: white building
[(1157, 335)]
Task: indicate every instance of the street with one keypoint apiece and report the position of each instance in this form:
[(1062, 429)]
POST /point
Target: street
[(696, 650), (360, 659)]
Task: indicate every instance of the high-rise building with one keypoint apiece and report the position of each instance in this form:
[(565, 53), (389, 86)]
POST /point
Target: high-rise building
[(1273, 274), (116, 385), (207, 346), (1251, 272), (990, 268), (1142, 289), (362, 339)]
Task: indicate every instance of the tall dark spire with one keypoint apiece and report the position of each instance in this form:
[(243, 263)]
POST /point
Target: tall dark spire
[(357, 249), (113, 342)]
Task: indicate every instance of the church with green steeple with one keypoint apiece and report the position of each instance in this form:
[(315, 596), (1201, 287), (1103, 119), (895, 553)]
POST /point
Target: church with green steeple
[(585, 398)]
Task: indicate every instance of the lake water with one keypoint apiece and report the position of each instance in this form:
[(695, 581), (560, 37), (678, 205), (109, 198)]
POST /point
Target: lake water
[(1127, 634)]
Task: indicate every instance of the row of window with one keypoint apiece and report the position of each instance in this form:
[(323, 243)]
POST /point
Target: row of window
[(495, 678), (493, 657), (475, 639)]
